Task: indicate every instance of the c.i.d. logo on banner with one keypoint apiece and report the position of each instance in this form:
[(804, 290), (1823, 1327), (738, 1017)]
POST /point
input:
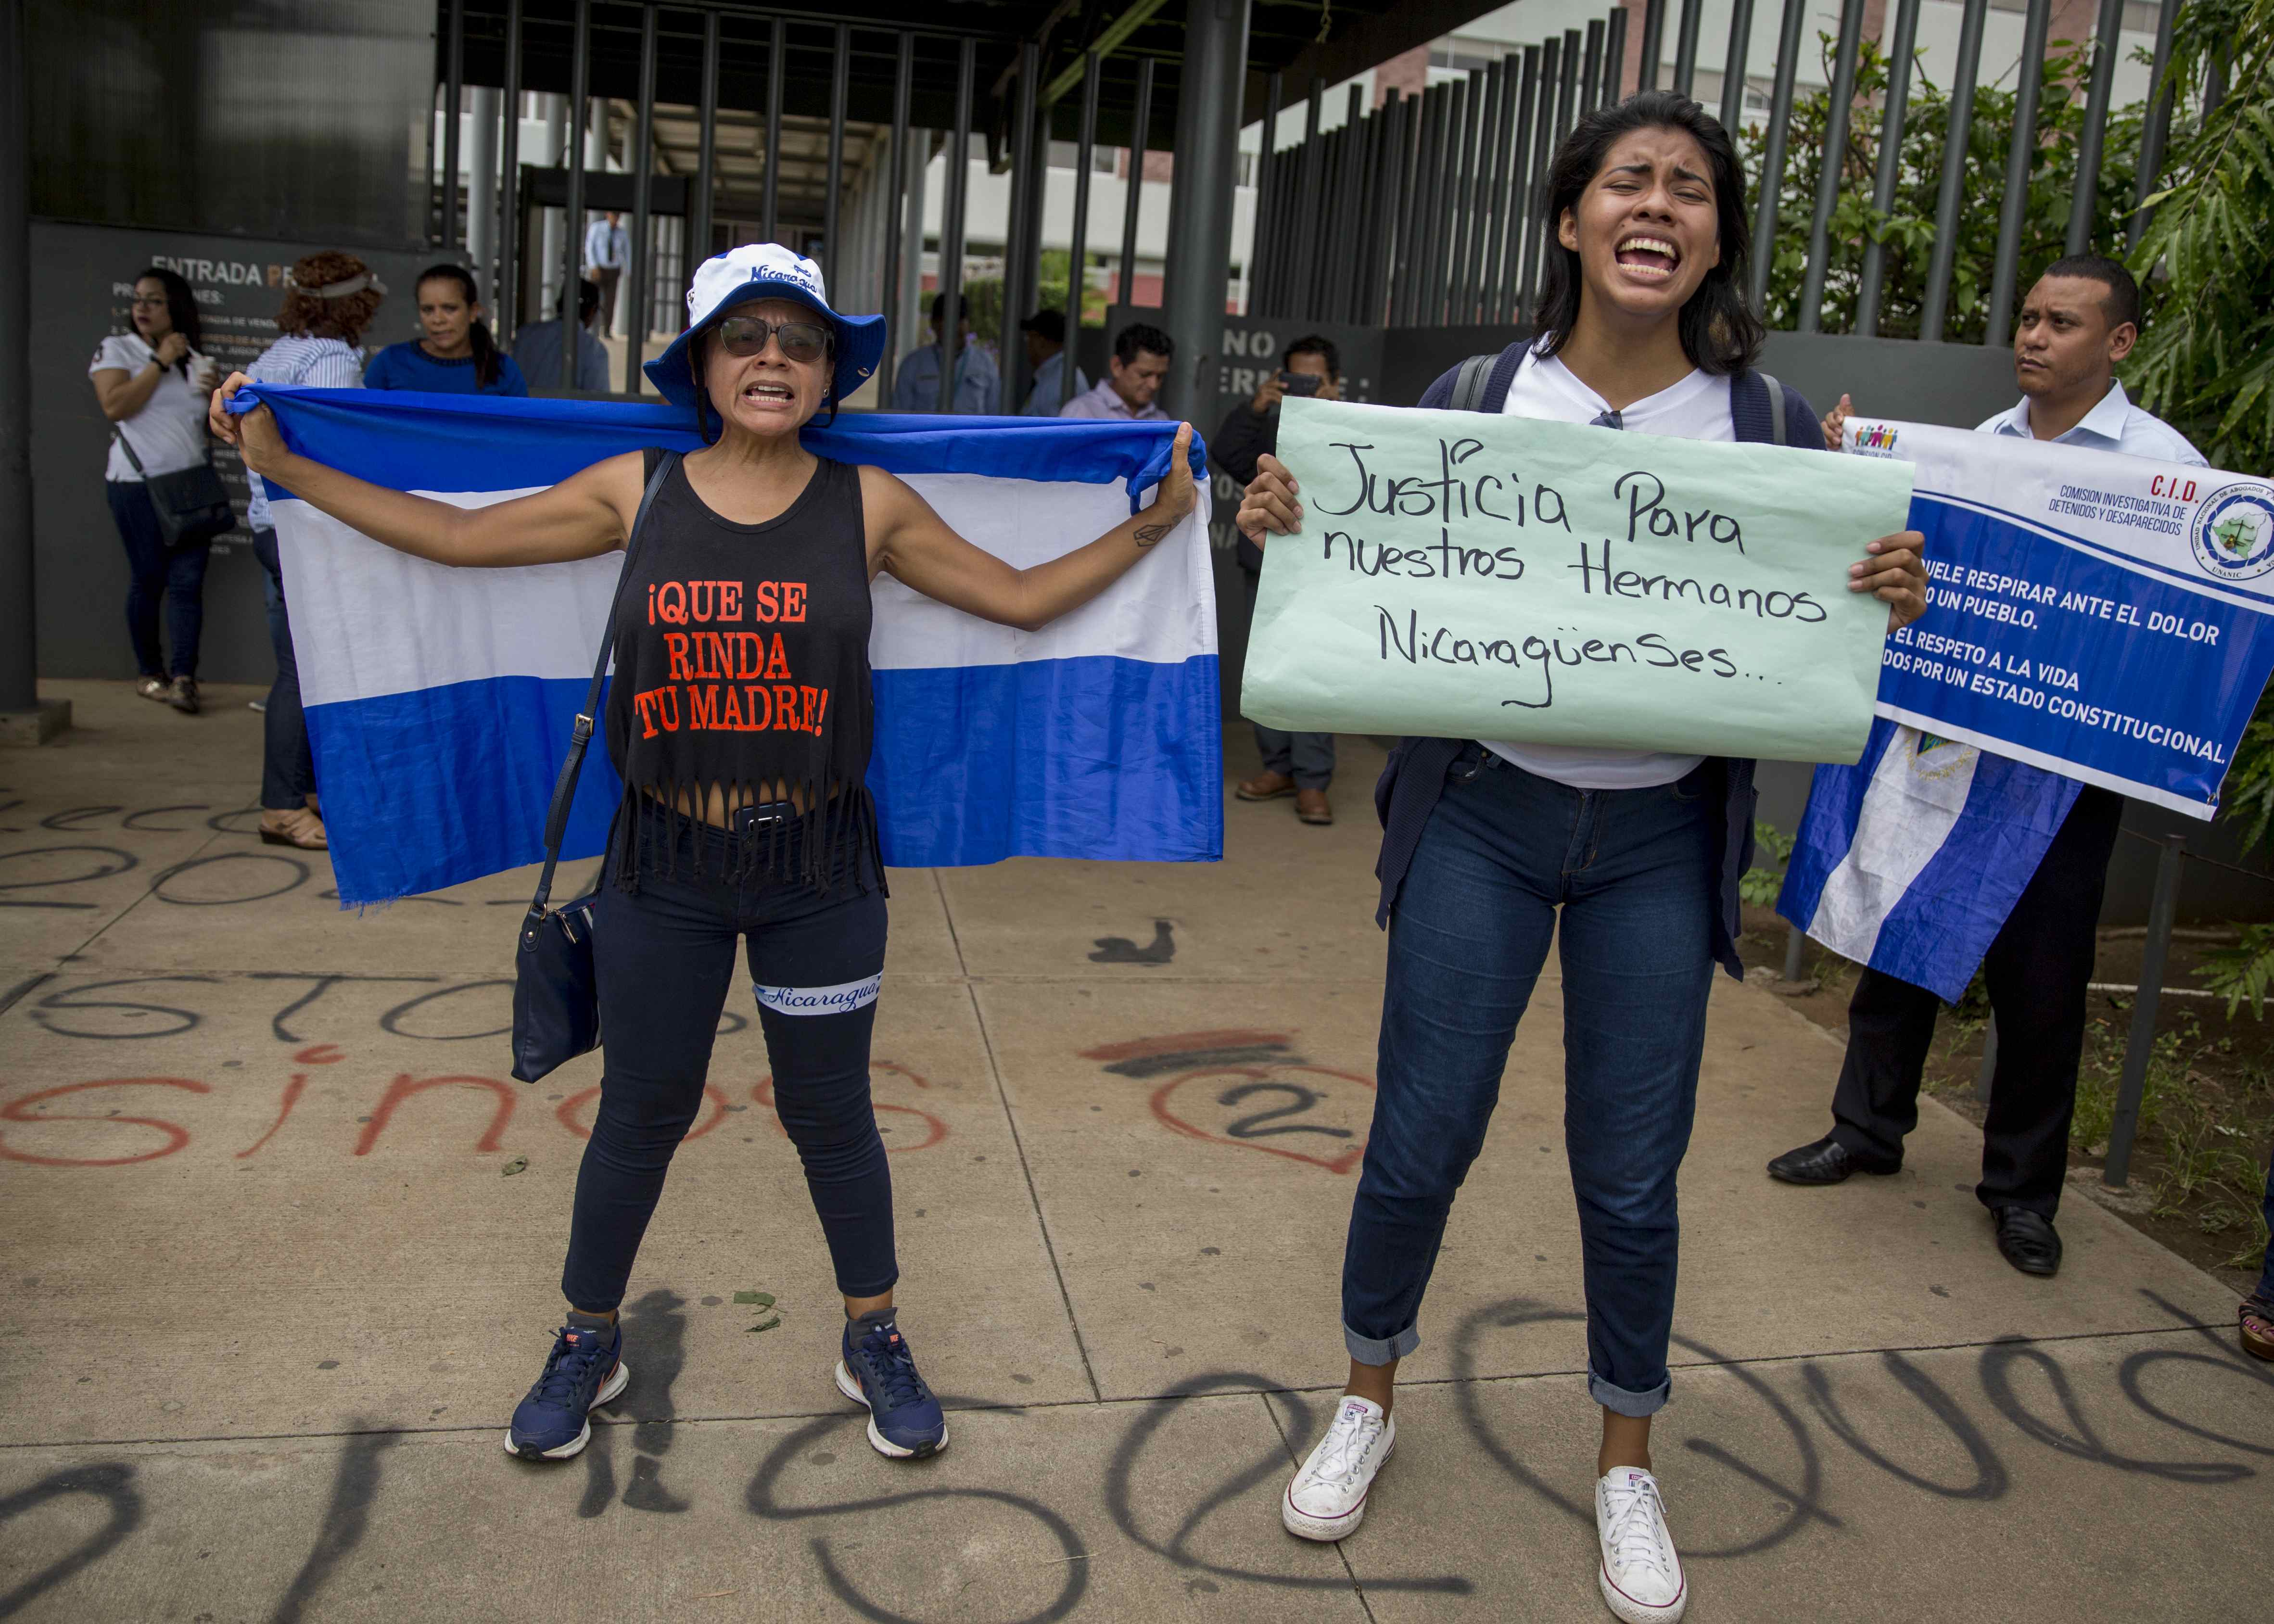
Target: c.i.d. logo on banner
[(2233, 534)]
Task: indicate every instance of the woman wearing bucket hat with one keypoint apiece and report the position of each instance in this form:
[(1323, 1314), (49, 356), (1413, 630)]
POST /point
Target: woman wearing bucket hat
[(754, 823)]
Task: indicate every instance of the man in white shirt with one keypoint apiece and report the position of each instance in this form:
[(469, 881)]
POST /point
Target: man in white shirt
[(2081, 319), (607, 250), (1141, 355)]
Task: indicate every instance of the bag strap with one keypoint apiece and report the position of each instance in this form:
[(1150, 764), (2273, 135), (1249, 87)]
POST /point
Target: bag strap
[(127, 446), (564, 787), (1779, 432), (1469, 384)]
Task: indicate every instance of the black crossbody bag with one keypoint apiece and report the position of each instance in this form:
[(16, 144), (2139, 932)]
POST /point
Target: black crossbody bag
[(191, 503), (557, 1000)]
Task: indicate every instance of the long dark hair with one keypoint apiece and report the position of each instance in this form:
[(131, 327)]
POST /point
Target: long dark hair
[(181, 307), (477, 334), (1720, 333)]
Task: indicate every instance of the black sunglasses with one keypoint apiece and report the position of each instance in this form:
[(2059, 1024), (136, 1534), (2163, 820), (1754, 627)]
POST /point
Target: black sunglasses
[(801, 340)]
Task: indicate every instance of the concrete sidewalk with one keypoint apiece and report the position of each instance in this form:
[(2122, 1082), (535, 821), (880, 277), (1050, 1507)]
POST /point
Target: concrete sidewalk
[(274, 1292)]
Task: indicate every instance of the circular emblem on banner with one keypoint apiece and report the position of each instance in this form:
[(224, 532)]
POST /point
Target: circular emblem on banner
[(2235, 532)]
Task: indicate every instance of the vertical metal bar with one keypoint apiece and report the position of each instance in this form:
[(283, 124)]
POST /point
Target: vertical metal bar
[(640, 296), (1463, 224), (1772, 182), (840, 67), (951, 227), (1567, 93), (2084, 206), (1269, 253), (1019, 300), (1324, 228), (1199, 225), (1591, 70), (1537, 230), (572, 216), (20, 682), (1490, 285), (1138, 135), (2020, 158), (2140, 1047), (1985, 1075), (1405, 298), (507, 293), (1733, 74), (1405, 208), (1934, 310), (1443, 129), (1835, 158), (2214, 81), (1366, 298), (1654, 40), (896, 237), (1304, 220), (1795, 951), (1614, 55), (1510, 300), (1343, 263), (1685, 46), (1894, 109), (769, 218), (1084, 146), (706, 153), (454, 95), (2157, 131)]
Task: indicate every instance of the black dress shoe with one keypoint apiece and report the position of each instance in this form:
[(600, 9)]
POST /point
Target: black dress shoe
[(2028, 1241), (1828, 1162)]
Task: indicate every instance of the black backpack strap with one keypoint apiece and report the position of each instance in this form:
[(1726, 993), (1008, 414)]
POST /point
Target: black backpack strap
[(1469, 384), (564, 787), (1779, 432)]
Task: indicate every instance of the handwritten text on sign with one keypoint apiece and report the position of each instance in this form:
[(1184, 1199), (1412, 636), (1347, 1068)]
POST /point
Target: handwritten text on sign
[(1463, 575)]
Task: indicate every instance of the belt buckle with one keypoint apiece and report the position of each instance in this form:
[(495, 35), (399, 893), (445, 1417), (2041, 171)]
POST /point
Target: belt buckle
[(764, 814)]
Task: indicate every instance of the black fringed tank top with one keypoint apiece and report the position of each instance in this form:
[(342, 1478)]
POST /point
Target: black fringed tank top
[(741, 663)]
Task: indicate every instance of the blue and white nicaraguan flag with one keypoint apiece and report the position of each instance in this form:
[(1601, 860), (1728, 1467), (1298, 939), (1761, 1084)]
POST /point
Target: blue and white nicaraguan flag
[(440, 700), (2092, 618)]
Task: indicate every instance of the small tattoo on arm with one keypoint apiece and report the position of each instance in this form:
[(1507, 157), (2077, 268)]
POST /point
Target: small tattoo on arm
[(1147, 534)]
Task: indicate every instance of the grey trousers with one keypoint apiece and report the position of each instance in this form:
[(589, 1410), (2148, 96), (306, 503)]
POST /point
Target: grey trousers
[(1308, 758)]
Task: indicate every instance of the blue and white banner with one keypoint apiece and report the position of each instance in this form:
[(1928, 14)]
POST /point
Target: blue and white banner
[(440, 700), (2100, 616)]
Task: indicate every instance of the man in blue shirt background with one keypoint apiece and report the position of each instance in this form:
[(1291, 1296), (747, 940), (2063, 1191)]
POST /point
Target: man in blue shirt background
[(1049, 365), (537, 347), (607, 252), (978, 382)]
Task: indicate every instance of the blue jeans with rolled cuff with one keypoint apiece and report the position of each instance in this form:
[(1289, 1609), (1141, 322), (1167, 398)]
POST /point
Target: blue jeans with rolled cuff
[(158, 574), (664, 956), (1631, 874)]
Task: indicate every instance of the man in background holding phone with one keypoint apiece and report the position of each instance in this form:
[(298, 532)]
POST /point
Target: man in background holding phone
[(1298, 765)]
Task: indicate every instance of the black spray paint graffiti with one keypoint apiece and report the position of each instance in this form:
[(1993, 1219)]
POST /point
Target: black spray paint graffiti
[(2026, 1384), (1120, 950)]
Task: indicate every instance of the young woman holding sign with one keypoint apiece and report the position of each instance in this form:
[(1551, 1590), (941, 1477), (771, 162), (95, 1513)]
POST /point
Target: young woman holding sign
[(1630, 860), (738, 824)]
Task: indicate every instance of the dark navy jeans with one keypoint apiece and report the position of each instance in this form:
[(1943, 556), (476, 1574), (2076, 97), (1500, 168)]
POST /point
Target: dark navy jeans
[(157, 574), (665, 959), (288, 771), (1506, 859)]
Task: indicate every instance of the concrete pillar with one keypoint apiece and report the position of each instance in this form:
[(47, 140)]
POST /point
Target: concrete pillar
[(23, 719), (482, 188), (1199, 207)]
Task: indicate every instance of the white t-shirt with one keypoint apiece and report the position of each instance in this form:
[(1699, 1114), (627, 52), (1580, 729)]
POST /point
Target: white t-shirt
[(169, 434), (1697, 408)]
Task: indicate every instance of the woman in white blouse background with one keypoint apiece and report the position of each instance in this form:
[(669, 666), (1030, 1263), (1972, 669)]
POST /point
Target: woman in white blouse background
[(152, 384)]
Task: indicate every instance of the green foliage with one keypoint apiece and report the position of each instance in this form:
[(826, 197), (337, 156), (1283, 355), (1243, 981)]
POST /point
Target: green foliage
[(985, 296), (2207, 358), (1907, 228), (2243, 973), (1760, 885)]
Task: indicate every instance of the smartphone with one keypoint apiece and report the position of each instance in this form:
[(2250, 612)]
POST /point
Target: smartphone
[(1299, 383)]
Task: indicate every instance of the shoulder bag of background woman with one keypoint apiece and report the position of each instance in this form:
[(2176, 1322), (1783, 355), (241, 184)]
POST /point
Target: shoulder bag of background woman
[(191, 502), (557, 1000)]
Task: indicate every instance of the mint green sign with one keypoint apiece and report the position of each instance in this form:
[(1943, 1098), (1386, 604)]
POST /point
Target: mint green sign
[(1467, 576)]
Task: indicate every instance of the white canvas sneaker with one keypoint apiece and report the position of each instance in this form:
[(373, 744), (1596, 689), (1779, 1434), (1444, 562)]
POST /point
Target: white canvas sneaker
[(1640, 1574), (1327, 1500)]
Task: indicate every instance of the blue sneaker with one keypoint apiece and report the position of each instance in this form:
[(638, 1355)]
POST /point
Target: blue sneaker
[(877, 1371), (584, 1371)]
